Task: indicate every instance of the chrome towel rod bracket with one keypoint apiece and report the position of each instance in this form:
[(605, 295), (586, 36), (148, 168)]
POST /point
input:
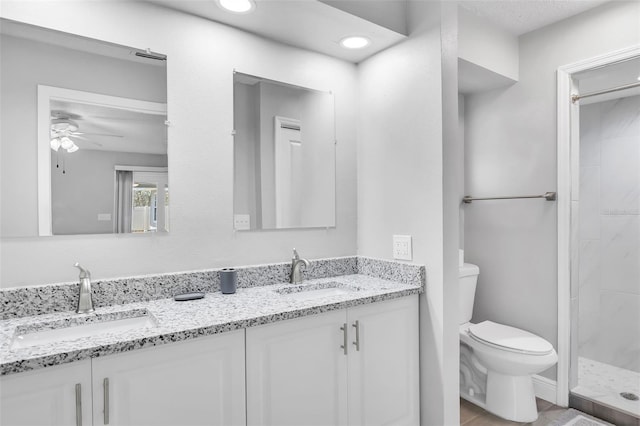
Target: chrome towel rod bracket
[(549, 196)]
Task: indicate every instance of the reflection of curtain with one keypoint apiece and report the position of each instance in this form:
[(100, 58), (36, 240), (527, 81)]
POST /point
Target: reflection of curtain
[(124, 200)]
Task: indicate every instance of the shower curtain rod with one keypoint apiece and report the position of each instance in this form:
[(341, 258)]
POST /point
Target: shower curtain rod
[(549, 196), (576, 98)]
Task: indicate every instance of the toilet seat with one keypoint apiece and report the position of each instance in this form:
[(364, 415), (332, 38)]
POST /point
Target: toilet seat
[(509, 338)]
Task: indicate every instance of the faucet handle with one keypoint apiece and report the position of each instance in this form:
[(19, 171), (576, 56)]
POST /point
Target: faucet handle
[(295, 254), (84, 273)]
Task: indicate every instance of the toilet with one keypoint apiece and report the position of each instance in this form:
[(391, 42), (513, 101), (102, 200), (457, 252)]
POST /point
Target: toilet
[(497, 361)]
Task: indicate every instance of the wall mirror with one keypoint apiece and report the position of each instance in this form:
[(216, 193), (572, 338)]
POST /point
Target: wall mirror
[(84, 139), (284, 155)]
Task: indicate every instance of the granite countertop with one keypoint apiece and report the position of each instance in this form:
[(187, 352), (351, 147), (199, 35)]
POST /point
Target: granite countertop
[(177, 321)]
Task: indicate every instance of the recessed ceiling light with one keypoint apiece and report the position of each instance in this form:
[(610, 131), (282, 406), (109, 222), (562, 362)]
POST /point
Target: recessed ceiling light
[(354, 42), (237, 6)]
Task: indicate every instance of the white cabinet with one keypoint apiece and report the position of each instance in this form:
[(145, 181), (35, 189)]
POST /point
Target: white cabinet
[(299, 374), (384, 365), (356, 366), (196, 382), (59, 395), (296, 372)]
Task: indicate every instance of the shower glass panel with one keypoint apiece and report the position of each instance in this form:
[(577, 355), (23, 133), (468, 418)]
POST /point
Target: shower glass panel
[(606, 291)]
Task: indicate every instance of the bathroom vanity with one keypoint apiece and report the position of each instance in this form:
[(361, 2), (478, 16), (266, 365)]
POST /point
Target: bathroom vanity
[(337, 349)]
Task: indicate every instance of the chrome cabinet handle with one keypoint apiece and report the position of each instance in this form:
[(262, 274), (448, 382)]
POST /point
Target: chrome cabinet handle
[(105, 387), (356, 325), (344, 337), (78, 404)]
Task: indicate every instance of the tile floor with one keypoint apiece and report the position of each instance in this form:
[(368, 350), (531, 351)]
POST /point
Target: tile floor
[(472, 415)]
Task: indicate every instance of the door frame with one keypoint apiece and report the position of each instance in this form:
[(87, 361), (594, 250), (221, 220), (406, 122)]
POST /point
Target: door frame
[(568, 155)]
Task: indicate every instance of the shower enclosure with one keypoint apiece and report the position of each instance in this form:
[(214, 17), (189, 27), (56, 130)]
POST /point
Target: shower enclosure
[(604, 274)]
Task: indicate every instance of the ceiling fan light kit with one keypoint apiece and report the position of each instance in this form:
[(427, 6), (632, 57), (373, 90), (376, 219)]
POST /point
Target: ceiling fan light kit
[(66, 143), (55, 144), (61, 130)]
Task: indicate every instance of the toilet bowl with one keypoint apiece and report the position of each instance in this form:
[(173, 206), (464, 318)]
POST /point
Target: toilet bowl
[(507, 355)]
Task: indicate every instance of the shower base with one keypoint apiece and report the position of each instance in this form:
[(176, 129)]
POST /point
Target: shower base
[(604, 383)]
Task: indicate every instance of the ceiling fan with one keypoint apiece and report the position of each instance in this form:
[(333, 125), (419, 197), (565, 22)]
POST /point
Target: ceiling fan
[(63, 129)]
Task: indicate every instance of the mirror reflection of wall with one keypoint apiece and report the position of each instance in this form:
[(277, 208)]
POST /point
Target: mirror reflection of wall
[(284, 155), (104, 136), (64, 151)]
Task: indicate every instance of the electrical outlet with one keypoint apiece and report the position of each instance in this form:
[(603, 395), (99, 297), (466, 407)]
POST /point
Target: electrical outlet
[(402, 247), (241, 222)]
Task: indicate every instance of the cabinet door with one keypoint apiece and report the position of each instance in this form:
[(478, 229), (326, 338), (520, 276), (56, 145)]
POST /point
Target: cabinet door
[(196, 382), (383, 370), (49, 396), (296, 372)]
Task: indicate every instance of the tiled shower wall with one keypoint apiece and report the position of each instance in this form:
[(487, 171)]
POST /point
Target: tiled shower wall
[(609, 233)]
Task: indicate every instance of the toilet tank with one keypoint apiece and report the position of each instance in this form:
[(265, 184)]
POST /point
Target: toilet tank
[(468, 278)]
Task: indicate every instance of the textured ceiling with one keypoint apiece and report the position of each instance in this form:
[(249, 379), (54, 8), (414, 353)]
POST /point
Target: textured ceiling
[(383, 21), (522, 16)]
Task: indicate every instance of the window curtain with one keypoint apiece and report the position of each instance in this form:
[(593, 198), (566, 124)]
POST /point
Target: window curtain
[(124, 200)]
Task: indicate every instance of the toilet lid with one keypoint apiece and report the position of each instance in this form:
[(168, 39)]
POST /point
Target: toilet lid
[(509, 338)]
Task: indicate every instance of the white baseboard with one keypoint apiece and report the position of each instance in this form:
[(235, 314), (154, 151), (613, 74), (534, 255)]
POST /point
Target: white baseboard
[(545, 388)]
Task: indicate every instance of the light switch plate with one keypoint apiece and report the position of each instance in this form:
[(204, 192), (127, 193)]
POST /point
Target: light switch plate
[(241, 222), (104, 217), (402, 247)]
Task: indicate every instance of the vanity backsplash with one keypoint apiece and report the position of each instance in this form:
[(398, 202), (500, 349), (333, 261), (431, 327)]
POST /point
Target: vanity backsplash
[(43, 299)]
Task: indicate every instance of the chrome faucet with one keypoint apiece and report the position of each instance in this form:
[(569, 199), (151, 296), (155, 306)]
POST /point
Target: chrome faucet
[(85, 301), (296, 274)]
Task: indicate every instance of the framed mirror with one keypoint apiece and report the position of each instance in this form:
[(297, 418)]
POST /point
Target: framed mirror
[(84, 133), (284, 155)]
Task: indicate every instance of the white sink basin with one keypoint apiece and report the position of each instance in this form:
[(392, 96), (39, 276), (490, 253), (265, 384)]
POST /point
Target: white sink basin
[(80, 327), (316, 291)]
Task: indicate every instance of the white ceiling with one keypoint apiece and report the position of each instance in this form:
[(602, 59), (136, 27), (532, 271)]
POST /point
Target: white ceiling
[(309, 24), (522, 16), (320, 25)]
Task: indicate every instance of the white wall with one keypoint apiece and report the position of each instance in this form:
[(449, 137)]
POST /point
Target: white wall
[(484, 44), (400, 187), (201, 59), (246, 198), (314, 110), (510, 149), (258, 104), (87, 188)]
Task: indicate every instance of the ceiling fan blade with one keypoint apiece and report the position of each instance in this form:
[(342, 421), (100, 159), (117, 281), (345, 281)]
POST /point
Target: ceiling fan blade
[(147, 117), (85, 140), (96, 134), (103, 134), (58, 113)]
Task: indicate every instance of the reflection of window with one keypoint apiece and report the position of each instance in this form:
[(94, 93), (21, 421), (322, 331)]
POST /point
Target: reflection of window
[(145, 207), (139, 208), (149, 210)]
